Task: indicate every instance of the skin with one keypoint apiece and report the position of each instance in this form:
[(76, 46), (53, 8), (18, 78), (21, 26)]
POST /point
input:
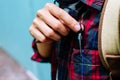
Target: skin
[(49, 25)]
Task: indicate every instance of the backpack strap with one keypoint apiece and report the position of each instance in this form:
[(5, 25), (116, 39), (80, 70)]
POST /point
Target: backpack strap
[(109, 36)]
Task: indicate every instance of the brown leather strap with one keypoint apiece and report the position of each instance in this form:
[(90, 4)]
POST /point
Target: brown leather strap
[(99, 37), (109, 37)]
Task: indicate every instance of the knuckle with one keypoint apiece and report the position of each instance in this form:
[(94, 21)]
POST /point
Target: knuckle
[(72, 23), (34, 22), (57, 26), (43, 39), (48, 4), (65, 33), (61, 12), (31, 31), (40, 12), (50, 33), (59, 38)]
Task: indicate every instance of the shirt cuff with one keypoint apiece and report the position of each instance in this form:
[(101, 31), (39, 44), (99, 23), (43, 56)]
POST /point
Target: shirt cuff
[(36, 55)]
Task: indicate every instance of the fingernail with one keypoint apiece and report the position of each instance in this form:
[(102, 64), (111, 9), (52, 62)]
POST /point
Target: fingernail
[(77, 27)]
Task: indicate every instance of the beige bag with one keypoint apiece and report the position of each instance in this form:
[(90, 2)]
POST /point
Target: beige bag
[(109, 37)]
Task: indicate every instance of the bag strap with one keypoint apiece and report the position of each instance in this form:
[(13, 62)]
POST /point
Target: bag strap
[(109, 31)]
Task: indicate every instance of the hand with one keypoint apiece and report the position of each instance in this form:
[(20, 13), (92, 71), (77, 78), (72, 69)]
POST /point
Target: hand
[(51, 23)]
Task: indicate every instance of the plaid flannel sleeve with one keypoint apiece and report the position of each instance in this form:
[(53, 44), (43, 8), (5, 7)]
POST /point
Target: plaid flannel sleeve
[(36, 55)]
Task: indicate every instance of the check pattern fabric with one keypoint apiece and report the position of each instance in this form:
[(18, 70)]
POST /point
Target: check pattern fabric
[(68, 62)]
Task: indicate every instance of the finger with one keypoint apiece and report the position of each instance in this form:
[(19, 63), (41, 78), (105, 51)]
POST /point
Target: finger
[(54, 23), (46, 30), (64, 16), (37, 34), (81, 25)]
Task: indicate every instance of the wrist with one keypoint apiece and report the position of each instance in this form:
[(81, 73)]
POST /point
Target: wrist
[(44, 48)]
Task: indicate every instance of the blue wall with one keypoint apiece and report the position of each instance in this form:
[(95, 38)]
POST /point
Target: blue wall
[(15, 18)]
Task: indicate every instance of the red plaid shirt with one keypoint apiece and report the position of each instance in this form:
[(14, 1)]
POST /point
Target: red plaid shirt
[(70, 62)]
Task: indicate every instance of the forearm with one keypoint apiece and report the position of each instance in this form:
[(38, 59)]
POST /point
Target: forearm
[(44, 49)]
